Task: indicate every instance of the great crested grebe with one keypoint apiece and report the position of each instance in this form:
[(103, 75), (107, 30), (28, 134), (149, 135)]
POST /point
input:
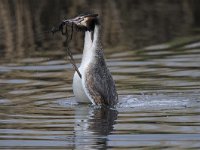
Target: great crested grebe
[(96, 85)]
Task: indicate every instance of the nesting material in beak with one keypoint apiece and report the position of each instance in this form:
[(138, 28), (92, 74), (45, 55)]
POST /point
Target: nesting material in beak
[(84, 22)]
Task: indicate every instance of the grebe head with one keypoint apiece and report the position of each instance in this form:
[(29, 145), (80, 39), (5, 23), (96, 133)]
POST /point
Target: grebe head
[(85, 22)]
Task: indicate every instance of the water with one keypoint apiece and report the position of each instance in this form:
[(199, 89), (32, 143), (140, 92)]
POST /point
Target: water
[(157, 80), (159, 104)]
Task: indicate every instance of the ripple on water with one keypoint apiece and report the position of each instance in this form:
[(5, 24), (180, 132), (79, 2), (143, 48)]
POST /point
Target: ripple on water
[(159, 105), (156, 102)]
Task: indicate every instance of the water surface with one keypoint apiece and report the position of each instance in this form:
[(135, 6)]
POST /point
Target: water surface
[(159, 104)]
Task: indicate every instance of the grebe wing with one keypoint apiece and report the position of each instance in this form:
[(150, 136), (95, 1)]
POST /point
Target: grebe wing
[(100, 85)]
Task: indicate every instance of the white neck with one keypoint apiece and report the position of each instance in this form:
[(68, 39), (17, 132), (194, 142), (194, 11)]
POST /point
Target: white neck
[(91, 44)]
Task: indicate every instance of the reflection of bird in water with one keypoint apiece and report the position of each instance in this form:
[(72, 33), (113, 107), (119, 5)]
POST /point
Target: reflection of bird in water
[(92, 126), (96, 84)]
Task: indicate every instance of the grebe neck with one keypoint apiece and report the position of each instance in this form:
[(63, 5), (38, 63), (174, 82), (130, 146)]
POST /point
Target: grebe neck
[(92, 43)]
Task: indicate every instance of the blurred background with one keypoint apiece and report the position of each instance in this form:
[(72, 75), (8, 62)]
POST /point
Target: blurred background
[(127, 24)]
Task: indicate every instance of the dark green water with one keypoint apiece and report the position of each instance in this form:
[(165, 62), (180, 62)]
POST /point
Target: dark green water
[(158, 84)]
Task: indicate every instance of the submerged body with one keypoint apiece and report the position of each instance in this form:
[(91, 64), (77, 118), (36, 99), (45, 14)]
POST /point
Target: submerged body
[(96, 85)]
